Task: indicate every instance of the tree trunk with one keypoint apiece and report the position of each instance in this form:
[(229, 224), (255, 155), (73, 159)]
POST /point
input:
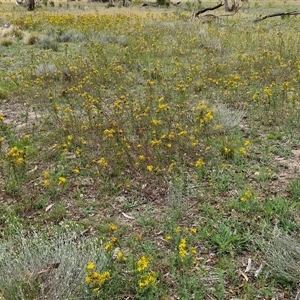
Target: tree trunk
[(234, 6), (31, 5), (227, 8)]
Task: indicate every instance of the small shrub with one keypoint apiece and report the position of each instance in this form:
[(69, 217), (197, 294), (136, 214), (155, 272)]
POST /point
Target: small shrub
[(227, 118), (282, 256), (3, 93), (45, 70), (33, 266), (47, 43), (71, 36)]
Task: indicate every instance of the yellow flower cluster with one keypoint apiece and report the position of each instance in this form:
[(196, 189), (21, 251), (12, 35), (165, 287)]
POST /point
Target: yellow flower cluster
[(143, 263), (247, 195), (110, 245), (95, 279), (182, 248), (120, 256), (199, 163), (16, 156), (102, 162), (148, 279), (62, 180)]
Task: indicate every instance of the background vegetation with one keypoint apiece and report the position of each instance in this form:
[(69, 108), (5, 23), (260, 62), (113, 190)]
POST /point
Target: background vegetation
[(149, 155)]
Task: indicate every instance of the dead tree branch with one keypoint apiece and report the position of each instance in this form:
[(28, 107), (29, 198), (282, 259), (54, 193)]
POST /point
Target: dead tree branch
[(199, 12), (291, 13)]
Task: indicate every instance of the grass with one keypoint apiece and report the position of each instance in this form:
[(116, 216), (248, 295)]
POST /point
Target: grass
[(148, 154)]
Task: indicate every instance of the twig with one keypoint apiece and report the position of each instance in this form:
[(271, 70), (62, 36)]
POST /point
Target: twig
[(291, 13)]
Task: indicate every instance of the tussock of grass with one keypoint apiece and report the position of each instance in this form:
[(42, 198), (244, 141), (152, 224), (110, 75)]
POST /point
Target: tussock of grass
[(6, 32), (6, 42), (30, 38)]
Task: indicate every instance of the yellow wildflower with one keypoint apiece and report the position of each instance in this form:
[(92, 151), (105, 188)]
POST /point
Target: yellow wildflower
[(155, 142), (143, 263), (171, 167), (103, 162), (247, 143), (182, 248), (111, 243), (177, 229), (109, 132), (120, 256), (62, 180), (97, 279), (108, 246), (76, 171), (150, 168), (46, 175), (19, 161), (193, 230), (16, 156), (156, 122), (90, 266), (112, 227), (148, 279), (243, 151), (226, 150), (199, 163), (168, 238)]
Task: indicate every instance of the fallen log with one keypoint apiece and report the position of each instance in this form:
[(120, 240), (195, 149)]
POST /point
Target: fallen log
[(199, 12), (156, 4), (147, 4), (291, 13)]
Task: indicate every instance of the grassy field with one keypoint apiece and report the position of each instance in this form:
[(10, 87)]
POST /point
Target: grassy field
[(147, 154)]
